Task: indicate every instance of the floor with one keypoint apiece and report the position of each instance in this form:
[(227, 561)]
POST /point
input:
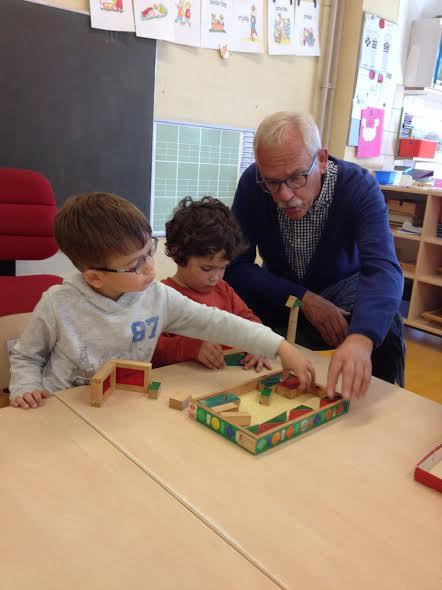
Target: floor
[(423, 365)]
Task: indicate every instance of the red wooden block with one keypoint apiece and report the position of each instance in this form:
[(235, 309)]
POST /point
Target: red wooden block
[(129, 377), (290, 382), (268, 426), (297, 413), (325, 401), (106, 384)]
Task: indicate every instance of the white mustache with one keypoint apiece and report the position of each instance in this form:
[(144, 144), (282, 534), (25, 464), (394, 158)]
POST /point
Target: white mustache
[(294, 202)]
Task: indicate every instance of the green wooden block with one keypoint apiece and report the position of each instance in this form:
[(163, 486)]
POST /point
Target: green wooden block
[(272, 381), (155, 386), (234, 359), (217, 400), (266, 392)]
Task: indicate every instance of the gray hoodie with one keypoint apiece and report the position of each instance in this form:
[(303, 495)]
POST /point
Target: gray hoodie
[(73, 331)]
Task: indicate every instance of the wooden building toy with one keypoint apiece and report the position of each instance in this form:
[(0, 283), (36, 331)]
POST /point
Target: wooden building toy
[(230, 406), (154, 390), (127, 375), (264, 397), (293, 303), (179, 401), (234, 358), (429, 470), (257, 427)]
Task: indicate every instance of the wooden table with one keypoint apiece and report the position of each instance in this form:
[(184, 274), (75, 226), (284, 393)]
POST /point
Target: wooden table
[(337, 508), (75, 513)]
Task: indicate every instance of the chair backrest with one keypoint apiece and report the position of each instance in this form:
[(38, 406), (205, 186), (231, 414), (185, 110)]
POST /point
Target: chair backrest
[(27, 211), (11, 328)]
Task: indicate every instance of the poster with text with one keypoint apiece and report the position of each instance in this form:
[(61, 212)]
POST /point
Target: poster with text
[(370, 133), (307, 28), (154, 19), (248, 27), (281, 27), (112, 15), (216, 23)]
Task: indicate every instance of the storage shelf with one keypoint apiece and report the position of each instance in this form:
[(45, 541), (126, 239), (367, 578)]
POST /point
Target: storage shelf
[(409, 269), (432, 279), (433, 240), (405, 235), (423, 324)]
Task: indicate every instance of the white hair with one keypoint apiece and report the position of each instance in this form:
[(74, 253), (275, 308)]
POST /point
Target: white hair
[(272, 129)]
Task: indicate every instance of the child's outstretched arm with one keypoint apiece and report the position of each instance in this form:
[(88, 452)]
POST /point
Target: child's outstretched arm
[(293, 360)]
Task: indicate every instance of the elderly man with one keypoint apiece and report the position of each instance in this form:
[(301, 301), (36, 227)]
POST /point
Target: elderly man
[(321, 228)]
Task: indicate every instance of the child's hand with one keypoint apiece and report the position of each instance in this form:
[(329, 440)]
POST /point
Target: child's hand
[(211, 356), (31, 399), (257, 361), (294, 361)]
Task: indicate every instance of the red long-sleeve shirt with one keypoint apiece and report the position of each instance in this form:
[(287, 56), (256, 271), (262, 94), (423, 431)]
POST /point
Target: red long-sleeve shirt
[(172, 348)]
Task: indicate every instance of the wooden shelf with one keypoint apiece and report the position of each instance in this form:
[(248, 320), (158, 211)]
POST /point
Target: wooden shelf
[(410, 189), (431, 279), (409, 269), (434, 240), (423, 324), (426, 293), (397, 233)]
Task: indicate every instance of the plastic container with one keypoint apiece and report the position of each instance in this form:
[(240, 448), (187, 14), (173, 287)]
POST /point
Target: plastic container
[(417, 148), (385, 176)]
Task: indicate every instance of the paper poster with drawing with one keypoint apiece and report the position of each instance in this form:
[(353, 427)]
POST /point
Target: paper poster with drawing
[(187, 22), (248, 27), (375, 81), (154, 19), (216, 23), (281, 32), (307, 28), (370, 133), (112, 15)]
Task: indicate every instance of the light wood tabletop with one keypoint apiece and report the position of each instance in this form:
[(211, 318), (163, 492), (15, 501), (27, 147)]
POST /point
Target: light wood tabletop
[(75, 513), (336, 508)]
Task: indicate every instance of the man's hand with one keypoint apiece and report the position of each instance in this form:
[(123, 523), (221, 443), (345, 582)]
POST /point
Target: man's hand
[(257, 361), (30, 399), (352, 360), (211, 355), (326, 317)]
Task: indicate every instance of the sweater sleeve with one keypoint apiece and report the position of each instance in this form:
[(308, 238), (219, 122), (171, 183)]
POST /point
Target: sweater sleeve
[(380, 283), (189, 318), (243, 274), (30, 354), (172, 348), (239, 307)]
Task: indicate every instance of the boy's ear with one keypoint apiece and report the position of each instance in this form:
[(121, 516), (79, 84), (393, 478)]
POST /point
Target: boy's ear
[(93, 277)]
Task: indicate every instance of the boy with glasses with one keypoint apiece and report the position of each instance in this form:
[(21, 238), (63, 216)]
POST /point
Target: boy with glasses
[(112, 308)]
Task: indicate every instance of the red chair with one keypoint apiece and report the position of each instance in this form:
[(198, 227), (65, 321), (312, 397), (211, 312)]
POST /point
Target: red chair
[(27, 211)]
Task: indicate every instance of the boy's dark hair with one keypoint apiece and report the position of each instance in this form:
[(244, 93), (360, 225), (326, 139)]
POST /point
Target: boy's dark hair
[(202, 228), (91, 227)]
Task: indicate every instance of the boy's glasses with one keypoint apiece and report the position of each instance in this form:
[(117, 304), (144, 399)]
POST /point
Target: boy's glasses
[(294, 181), (138, 268)]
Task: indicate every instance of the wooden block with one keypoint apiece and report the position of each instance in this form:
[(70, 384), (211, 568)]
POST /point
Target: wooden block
[(264, 400), (238, 418), (223, 398), (179, 401), (231, 406), (135, 366), (154, 390), (101, 384)]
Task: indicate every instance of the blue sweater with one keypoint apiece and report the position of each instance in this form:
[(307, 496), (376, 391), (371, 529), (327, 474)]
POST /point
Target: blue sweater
[(356, 238)]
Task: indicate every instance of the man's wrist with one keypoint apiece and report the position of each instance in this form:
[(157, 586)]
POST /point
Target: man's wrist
[(361, 340)]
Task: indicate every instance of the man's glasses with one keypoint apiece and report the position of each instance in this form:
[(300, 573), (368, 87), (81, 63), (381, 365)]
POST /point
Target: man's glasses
[(138, 268), (294, 181)]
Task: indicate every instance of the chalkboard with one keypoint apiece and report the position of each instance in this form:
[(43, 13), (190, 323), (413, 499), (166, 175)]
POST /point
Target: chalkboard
[(76, 103)]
